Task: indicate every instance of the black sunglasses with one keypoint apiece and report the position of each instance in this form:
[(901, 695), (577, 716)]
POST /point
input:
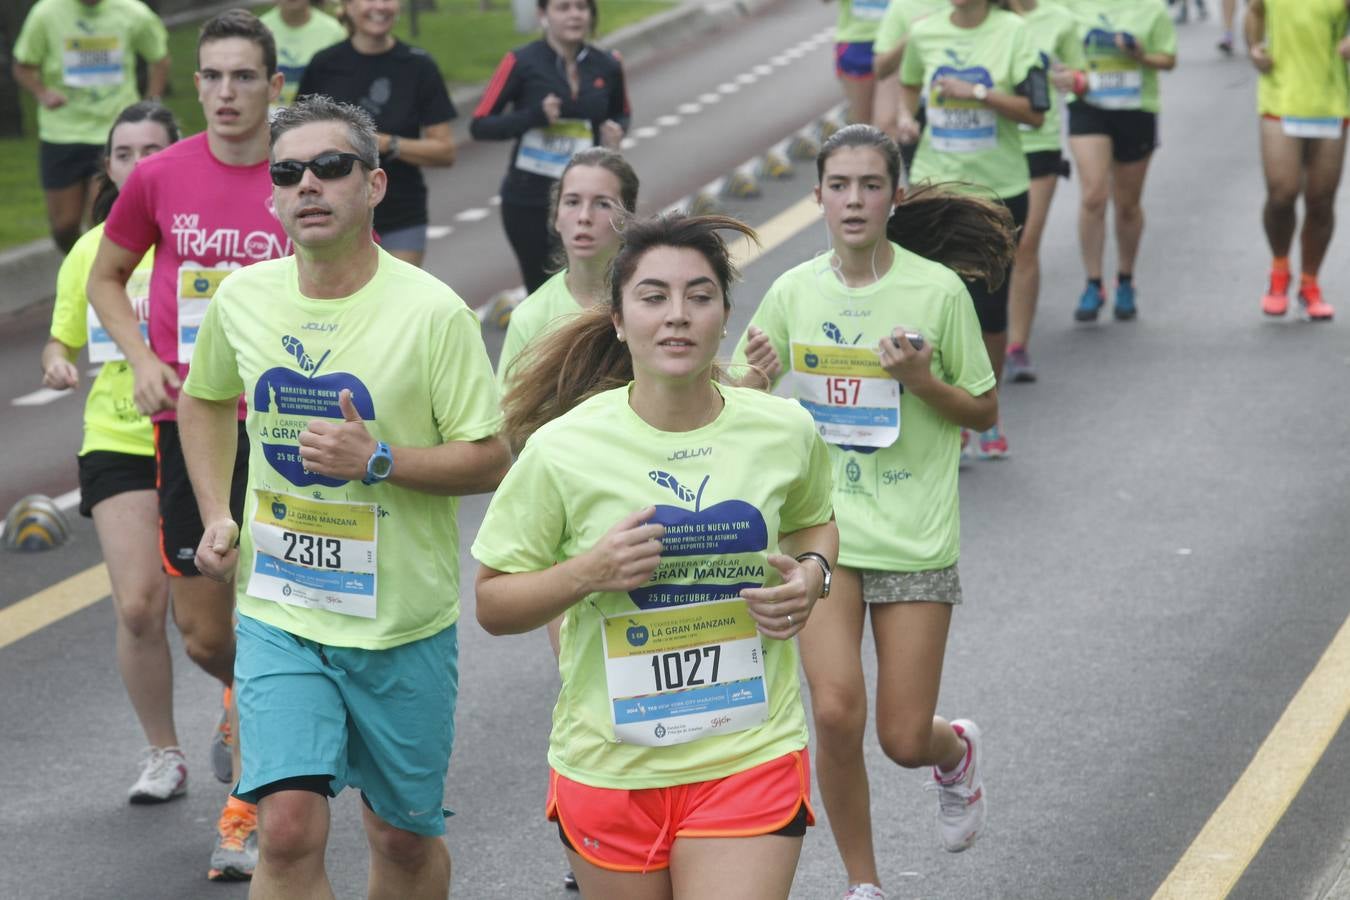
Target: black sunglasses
[(288, 172)]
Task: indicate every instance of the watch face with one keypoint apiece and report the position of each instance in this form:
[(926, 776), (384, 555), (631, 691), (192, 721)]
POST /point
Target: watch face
[(381, 466)]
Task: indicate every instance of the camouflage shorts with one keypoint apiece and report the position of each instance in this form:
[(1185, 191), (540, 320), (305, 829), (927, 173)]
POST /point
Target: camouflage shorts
[(932, 586)]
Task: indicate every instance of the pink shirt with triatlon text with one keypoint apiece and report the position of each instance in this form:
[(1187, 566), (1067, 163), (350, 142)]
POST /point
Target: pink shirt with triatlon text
[(204, 219)]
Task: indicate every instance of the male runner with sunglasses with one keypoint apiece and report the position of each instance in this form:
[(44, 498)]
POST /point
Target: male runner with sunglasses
[(347, 567), (206, 208)]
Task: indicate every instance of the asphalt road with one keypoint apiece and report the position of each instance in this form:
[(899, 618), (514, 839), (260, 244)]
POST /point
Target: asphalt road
[(1149, 579)]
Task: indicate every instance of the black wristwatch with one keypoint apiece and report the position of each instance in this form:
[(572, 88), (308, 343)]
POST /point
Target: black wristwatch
[(824, 568)]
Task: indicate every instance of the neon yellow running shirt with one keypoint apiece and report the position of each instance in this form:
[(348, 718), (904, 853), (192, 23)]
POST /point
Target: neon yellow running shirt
[(965, 140), (858, 20), (1054, 34), (111, 420), (725, 492), (337, 561), (88, 53), (536, 315), (1309, 79), (297, 46), (897, 506), (1117, 81), (900, 17)]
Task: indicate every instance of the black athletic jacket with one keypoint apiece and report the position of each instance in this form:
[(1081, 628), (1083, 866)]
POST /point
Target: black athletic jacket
[(523, 79)]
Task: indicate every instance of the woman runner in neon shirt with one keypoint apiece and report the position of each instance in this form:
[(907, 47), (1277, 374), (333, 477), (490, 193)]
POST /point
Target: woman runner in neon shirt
[(117, 463), (883, 347), (683, 529)]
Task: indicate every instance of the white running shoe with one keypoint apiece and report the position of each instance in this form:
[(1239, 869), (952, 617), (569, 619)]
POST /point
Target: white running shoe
[(864, 891), (962, 806), (163, 776)]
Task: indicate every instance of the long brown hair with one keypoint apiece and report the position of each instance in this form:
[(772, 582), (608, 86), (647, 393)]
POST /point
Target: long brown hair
[(584, 357), (972, 236)]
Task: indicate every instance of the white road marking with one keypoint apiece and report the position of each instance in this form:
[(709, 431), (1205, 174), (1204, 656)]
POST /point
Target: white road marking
[(729, 88), (40, 397), (436, 232), (747, 78), (646, 131), (628, 143), (794, 53), (667, 121), (495, 200), (477, 214), (781, 59), (689, 109), (763, 69), (708, 99)]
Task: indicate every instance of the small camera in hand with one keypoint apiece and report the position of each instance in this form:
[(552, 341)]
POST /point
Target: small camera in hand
[(913, 337)]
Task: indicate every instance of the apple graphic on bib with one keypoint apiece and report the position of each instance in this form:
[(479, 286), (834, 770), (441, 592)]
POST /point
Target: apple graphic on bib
[(637, 634), (710, 539), (1101, 42), (973, 74), (286, 400)]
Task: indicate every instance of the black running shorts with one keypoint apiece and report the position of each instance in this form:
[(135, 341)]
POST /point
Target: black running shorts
[(180, 523), (106, 473), (61, 165), (1133, 132), (992, 306)]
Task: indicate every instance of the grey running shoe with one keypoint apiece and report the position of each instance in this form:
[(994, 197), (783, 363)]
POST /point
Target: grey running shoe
[(1017, 366), (222, 745), (163, 776), (236, 853)]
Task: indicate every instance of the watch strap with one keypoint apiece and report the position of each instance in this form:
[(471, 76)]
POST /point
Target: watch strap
[(825, 569)]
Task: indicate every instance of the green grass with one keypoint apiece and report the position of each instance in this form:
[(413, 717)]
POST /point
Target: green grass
[(467, 45)]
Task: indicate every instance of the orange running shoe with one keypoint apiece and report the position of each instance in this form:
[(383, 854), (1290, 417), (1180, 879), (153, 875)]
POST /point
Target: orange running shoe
[(236, 852), (1314, 307), (1276, 300)]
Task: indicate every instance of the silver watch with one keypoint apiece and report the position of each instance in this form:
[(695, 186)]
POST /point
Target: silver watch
[(824, 569)]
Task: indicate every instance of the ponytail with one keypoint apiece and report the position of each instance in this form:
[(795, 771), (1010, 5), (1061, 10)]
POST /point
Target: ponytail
[(974, 237), (552, 375)]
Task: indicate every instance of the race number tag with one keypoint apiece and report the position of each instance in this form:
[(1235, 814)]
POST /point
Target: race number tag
[(1115, 81), (683, 674), (92, 61), (196, 287), (853, 400), (961, 126), (102, 348), (546, 151), (319, 554), (869, 10), (1329, 128)]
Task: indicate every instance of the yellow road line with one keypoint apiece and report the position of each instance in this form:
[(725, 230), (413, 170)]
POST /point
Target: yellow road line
[(31, 614), (778, 230), (1231, 838)]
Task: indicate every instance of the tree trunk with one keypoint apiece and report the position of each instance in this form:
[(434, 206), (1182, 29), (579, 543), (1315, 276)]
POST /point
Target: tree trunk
[(11, 112)]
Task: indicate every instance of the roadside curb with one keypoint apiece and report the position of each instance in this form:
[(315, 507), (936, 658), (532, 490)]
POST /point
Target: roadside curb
[(28, 272)]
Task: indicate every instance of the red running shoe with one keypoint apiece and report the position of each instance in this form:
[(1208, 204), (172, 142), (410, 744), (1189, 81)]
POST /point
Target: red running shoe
[(1276, 300)]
